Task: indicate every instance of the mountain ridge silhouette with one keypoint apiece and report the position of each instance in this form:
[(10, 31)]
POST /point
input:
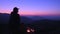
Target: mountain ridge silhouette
[(4, 17)]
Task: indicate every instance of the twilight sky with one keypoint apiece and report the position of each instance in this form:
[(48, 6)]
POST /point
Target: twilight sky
[(31, 7)]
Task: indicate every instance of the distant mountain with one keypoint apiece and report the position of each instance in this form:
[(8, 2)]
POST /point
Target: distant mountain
[(25, 19), (4, 18), (37, 18), (57, 17)]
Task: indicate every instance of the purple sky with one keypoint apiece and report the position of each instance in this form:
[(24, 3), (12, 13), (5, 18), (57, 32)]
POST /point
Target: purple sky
[(31, 7)]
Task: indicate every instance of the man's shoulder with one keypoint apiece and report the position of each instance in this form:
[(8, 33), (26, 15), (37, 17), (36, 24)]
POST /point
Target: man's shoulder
[(11, 12), (18, 15)]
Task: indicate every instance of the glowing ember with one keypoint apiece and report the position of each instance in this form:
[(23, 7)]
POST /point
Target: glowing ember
[(32, 30), (28, 30)]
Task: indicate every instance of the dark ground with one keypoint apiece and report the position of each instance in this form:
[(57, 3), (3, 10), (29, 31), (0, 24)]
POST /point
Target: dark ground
[(52, 30)]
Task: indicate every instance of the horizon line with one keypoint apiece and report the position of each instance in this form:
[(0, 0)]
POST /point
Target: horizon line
[(33, 15)]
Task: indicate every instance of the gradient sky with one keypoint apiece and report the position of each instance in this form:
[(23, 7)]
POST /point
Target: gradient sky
[(31, 7)]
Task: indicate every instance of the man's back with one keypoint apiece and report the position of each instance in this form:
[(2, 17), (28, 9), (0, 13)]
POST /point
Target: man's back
[(14, 21), (14, 18)]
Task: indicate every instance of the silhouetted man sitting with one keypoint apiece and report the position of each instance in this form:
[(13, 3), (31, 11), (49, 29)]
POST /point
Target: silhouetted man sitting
[(14, 21)]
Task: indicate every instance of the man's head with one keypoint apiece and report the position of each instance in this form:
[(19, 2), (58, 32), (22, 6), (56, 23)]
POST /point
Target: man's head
[(15, 10)]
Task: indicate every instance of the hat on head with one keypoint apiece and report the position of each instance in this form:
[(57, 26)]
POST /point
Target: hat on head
[(15, 8)]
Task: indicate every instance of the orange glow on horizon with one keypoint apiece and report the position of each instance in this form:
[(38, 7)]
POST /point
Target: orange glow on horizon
[(28, 13)]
